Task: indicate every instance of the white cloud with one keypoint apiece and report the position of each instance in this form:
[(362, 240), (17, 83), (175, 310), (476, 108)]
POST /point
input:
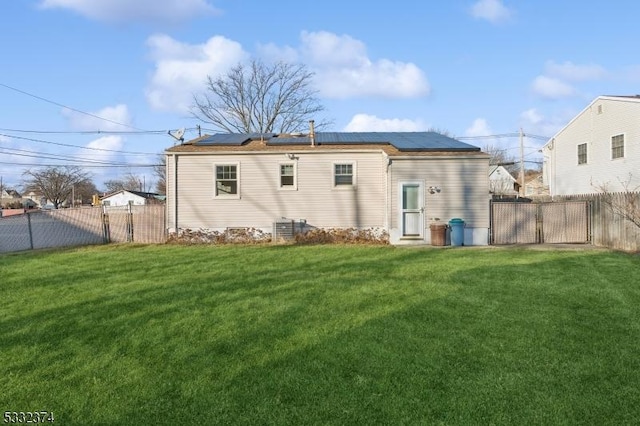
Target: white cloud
[(552, 88), (344, 70), (371, 123), (532, 116), (479, 127), (110, 143), (181, 69), (558, 79), (340, 63), (493, 11), (155, 11), (535, 123), (573, 72), (107, 142), (111, 117)]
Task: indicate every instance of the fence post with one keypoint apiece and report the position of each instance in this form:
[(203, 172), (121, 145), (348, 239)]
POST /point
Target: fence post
[(30, 231), (129, 223), (106, 230)]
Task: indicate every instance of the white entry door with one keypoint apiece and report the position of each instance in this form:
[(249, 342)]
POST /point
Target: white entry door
[(412, 209)]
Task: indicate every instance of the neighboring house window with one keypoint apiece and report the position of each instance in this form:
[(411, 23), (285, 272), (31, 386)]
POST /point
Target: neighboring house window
[(226, 180), (106, 203), (582, 153), (288, 176), (343, 174), (617, 146)]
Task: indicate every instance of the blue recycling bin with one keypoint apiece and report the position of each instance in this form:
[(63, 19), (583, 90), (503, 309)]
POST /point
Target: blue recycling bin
[(457, 231)]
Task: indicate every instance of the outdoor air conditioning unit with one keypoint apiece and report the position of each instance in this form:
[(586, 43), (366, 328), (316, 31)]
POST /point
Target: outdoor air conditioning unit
[(283, 229)]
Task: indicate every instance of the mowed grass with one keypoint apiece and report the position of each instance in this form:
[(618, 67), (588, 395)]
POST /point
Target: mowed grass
[(127, 334)]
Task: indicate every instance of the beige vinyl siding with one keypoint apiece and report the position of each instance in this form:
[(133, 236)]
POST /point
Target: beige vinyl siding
[(169, 190), (617, 116), (261, 201), (463, 183)]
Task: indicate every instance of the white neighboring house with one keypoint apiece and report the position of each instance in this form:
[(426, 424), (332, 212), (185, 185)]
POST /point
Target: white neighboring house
[(501, 182), (599, 148), (134, 198)]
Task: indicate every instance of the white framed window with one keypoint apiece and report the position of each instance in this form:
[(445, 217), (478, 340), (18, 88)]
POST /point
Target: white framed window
[(582, 153), (288, 176), (344, 174), (617, 146), (227, 180)]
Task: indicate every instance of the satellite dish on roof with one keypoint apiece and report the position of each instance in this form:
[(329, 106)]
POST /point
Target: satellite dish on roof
[(178, 134)]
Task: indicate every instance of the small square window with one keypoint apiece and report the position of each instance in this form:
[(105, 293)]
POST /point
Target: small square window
[(288, 176), (617, 146), (343, 174), (582, 153), (226, 180)]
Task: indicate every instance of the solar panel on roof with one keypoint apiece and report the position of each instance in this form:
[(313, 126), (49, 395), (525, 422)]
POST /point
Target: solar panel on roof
[(232, 139), (403, 141), (429, 141), (224, 139)]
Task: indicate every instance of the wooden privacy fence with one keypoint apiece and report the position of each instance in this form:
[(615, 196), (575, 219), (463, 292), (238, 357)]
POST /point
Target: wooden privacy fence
[(535, 223), (609, 226), (82, 226)]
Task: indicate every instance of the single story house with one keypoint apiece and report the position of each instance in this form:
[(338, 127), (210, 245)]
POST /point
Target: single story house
[(502, 183), (398, 183), (126, 197), (598, 149)]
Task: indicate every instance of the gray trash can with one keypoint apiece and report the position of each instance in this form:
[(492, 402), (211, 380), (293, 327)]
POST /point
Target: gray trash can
[(457, 231)]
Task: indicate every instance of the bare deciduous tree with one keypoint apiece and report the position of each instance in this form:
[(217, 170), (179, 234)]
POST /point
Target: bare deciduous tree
[(128, 182), (83, 192), (160, 170), (626, 203), (500, 157), (260, 98), (56, 184)]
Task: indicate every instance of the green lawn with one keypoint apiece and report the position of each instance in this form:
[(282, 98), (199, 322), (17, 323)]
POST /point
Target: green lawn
[(127, 334)]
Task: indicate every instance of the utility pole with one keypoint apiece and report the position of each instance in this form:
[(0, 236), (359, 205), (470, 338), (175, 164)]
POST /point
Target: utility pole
[(521, 162)]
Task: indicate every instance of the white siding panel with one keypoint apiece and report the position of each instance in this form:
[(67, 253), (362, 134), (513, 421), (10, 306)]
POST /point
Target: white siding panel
[(169, 191), (463, 183), (595, 126), (261, 201)]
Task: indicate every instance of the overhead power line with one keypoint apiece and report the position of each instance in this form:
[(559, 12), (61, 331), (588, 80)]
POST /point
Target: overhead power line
[(34, 154), (90, 166), (69, 108), (76, 146), (93, 132), (503, 135)]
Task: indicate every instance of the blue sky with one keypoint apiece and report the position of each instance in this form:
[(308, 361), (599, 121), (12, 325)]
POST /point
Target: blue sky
[(472, 68)]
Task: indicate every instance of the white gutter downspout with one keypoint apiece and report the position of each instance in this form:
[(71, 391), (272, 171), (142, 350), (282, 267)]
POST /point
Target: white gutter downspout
[(175, 193), (387, 196)]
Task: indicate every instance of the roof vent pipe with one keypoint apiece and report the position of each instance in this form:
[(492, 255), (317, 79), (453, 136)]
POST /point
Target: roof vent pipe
[(312, 133)]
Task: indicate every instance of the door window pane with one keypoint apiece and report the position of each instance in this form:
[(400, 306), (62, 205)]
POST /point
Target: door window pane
[(410, 197)]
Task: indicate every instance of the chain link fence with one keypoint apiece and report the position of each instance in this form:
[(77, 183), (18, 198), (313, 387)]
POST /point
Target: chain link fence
[(82, 226)]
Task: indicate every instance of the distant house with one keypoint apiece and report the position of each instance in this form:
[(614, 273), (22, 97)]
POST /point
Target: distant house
[(534, 186), (10, 197), (134, 198), (390, 182), (502, 183), (597, 149), (11, 194)]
